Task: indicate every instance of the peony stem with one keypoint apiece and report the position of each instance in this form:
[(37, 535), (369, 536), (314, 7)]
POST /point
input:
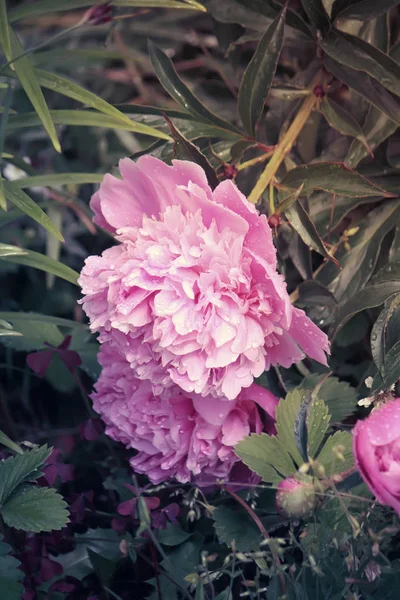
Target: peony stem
[(285, 145)]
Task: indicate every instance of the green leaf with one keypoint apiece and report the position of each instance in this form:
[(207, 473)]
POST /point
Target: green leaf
[(25, 203), (236, 526), (361, 56), (267, 456), (390, 371), (302, 224), (318, 419), (29, 258), (286, 202), (317, 14), (35, 509), (26, 75), (175, 87), (8, 443), (339, 396), (327, 456), (379, 330), (332, 177), (185, 150), (369, 297), (172, 535), (43, 7), (6, 329), (103, 567), (258, 77), (367, 87), (56, 179), (313, 293), (84, 118), (255, 14), (362, 9), (20, 468), (4, 30), (286, 415), (68, 88), (104, 542), (341, 120), (359, 262), (10, 574)]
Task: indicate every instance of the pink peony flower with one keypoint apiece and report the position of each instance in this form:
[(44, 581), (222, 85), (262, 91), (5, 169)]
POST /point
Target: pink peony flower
[(176, 434), (376, 449), (191, 295)]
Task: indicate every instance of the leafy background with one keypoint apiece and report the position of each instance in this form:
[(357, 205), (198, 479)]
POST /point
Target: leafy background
[(300, 105)]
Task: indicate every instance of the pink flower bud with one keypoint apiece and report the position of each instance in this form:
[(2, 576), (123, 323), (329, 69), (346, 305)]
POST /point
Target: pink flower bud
[(295, 499)]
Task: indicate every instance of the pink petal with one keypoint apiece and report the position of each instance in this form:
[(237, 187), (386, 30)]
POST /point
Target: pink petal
[(310, 338)]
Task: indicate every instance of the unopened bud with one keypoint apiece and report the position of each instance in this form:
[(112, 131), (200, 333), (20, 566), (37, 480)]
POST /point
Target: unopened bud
[(98, 14), (294, 498)]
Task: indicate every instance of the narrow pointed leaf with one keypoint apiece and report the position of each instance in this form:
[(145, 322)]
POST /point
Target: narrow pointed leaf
[(390, 370), (302, 224), (175, 87), (29, 258), (258, 77), (379, 329), (361, 56), (8, 443), (3, 203), (66, 87), (341, 120), (56, 179), (317, 14), (25, 203), (86, 118), (362, 9), (185, 150), (359, 259), (367, 87), (4, 30), (26, 75), (332, 177)]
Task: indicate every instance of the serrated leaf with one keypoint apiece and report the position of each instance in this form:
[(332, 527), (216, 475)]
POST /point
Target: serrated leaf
[(341, 120), (175, 87), (84, 118), (369, 297), (15, 470), (300, 428), (302, 224), (39, 261), (339, 396), (286, 414), (258, 77), (332, 177), (26, 75), (25, 203), (327, 456), (317, 14), (185, 150), (362, 9), (318, 420), (359, 262), (267, 456), (367, 87), (236, 526), (35, 509)]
